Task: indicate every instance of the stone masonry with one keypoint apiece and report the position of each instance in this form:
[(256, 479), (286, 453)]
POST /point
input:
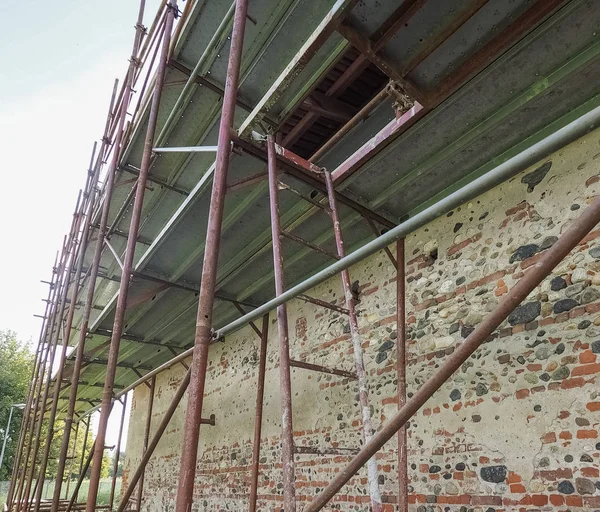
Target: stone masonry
[(517, 428)]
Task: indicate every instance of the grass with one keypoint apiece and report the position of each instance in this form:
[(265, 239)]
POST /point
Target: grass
[(103, 491)]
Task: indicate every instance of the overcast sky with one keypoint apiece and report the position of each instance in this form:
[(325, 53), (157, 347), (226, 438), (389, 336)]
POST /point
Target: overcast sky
[(59, 61)]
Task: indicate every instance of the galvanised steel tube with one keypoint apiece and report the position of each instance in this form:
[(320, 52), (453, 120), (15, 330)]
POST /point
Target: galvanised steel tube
[(512, 166), (203, 334), (77, 246), (113, 355), (361, 373), (532, 278), (401, 373), (155, 439), (260, 393), (285, 378), (86, 314)]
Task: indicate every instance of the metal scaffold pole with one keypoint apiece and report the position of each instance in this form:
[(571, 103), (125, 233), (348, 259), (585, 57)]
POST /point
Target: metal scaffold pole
[(26, 417), (533, 277), (401, 373), (117, 456), (260, 393), (107, 395), (89, 299), (78, 242), (204, 326), (52, 336), (285, 385)]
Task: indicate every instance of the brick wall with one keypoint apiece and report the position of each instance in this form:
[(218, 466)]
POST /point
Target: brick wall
[(517, 428)]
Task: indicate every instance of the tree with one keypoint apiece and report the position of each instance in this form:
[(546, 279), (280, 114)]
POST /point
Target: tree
[(16, 365)]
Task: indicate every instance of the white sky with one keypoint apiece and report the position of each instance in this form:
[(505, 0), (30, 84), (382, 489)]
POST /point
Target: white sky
[(58, 64)]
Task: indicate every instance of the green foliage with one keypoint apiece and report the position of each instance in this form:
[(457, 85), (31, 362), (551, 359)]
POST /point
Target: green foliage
[(16, 366)]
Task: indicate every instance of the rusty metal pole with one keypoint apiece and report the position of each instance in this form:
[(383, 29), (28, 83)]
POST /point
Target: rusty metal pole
[(81, 478), (53, 336), (203, 333), (113, 356), (27, 410), (285, 379), (361, 372), (85, 438), (532, 278), (260, 393), (78, 246), (72, 460), (20, 488), (401, 373), (154, 442), (113, 484), (140, 490), (88, 207)]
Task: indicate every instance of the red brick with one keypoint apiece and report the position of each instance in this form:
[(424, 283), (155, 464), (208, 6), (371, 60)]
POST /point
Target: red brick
[(586, 369), (539, 500), (587, 434)]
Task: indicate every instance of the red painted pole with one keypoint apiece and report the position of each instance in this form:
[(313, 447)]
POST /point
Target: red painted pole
[(140, 490), (361, 372), (113, 484), (285, 379), (532, 278), (203, 333), (401, 372), (87, 308), (260, 393), (117, 331)]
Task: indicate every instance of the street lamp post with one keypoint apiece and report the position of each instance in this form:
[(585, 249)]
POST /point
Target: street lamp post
[(18, 406)]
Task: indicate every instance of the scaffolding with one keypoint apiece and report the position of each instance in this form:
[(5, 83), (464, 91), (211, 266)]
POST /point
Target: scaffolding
[(91, 231)]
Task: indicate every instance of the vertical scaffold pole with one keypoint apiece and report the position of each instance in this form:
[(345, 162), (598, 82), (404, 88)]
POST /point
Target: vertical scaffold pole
[(113, 484), (20, 485), (78, 243), (203, 333), (72, 460), (260, 393), (401, 372), (117, 331), (285, 380), (361, 372), (140, 489), (94, 173), (53, 336), (16, 472), (577, 230)]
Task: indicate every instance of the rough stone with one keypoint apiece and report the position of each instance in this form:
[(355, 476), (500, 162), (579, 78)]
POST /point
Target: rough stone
[(524, 252), (566, 487), (558, 283), (525, 313), (542, 352), (579, 275), (548, 242), (585, 486), (595, 252), (564, 305), (595, 346), (494, 474), (561, 373), (455, 395), (481, 389), (534, 178), (574, 289), (590, 295)]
